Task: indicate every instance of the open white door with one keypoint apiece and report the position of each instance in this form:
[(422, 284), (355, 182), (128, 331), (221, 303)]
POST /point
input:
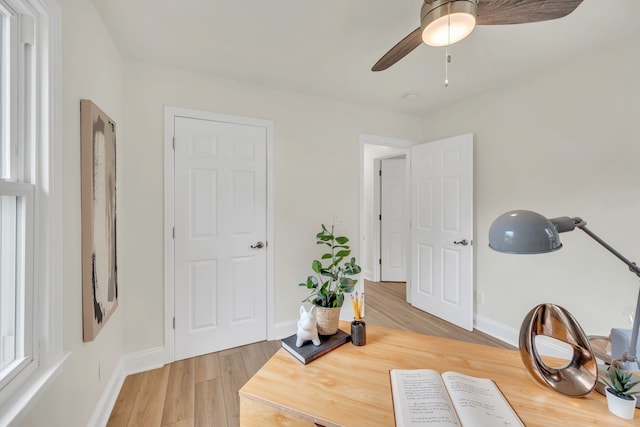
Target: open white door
[(442, 229), (220, 231), (393, 257)]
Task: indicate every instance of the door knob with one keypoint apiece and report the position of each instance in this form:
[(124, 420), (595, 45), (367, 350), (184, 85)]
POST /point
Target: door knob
[(258, 245), (462, 242)]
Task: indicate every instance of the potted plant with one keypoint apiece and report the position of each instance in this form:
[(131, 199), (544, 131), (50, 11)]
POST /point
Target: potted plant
[(333, 278), (620, 398)]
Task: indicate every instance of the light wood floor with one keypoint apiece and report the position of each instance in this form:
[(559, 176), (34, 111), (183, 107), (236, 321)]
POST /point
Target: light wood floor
[(203, 391)]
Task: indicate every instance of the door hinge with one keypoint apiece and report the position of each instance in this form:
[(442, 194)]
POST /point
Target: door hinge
[(174, 322), (173, 233), (174, 143), (380, 172), (380, 261), (380, 217)]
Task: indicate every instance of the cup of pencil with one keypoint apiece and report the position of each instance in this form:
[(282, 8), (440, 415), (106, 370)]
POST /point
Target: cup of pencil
[(358, 327)]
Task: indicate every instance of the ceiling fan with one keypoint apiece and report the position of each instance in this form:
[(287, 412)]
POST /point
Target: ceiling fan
[(445, 22)]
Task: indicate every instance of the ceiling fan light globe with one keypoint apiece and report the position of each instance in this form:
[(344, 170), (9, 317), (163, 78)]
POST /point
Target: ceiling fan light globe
[(436, 15), (438, 33)]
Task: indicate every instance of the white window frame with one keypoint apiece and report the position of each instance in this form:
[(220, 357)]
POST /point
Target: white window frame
[(38, 165), (24, 364)]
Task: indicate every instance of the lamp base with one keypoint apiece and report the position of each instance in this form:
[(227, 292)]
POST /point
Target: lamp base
[(600, 386)]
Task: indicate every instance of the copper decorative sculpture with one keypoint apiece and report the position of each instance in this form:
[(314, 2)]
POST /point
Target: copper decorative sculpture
[(580, 375)]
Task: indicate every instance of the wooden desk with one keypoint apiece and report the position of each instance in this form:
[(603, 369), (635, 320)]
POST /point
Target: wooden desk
[(350, 386)]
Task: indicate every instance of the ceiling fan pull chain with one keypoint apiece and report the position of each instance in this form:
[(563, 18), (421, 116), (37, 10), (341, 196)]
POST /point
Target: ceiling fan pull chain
[(446, 67), (447, 58)]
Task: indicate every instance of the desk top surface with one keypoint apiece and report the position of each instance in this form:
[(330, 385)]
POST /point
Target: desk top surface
[(350, 385)]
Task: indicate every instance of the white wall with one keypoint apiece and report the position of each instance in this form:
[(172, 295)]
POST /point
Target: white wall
[(316, 176), (563, 142), (92, 69)]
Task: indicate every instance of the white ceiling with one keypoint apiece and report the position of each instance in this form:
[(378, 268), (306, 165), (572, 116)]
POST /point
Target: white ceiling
[(327, 47)]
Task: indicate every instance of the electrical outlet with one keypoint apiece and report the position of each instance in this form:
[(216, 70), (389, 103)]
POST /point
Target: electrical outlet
[(479, 297)]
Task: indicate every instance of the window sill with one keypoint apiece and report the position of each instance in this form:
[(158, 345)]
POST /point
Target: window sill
[(16, 407)]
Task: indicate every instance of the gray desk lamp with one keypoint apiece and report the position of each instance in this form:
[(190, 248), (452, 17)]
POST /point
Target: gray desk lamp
[(526, 232)]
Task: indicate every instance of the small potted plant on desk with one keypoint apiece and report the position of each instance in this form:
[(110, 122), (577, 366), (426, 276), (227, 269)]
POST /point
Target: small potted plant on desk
[(620, 398), (332, 280)]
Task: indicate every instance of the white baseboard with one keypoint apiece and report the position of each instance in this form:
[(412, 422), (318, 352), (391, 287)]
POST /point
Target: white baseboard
[(144, 360), (109, 396), (128, 364), (497, 330), (545, 346)]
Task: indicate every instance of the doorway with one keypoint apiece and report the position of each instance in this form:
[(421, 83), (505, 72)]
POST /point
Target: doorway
[(373, 149), (439, 273)]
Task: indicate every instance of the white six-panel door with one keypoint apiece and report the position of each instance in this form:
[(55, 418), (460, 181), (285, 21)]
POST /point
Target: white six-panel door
[(220, 231), (442, 229), (393, 264)]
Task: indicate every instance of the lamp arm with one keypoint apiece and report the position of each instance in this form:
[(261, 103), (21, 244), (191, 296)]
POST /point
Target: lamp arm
[(633, 267), (562, 225), (565, 223)]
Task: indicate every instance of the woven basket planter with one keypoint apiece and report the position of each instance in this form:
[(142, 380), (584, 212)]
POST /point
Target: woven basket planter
[(328, 319)]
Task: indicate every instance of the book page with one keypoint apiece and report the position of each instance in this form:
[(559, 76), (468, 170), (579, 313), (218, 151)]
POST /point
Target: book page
[(479, 402), (420, 399)]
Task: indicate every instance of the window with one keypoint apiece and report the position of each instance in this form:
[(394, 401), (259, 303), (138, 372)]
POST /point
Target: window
[(30, 213), (16, 284), (16, 193)]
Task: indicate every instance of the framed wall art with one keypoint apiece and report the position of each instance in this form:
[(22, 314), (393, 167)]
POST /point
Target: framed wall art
[(99, 261)]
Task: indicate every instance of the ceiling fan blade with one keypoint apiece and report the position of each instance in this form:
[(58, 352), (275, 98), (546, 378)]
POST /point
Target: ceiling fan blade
[(399, 51), (502, 12)]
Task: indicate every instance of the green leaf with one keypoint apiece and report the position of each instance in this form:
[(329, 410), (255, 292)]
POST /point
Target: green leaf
[(326, 256), (620, 382), (316, 266), (345, 281), (343, 253), (320, 301), (342, 240), (347, 285), (351, 269), (312, 282), (328, 273), (348, 289)]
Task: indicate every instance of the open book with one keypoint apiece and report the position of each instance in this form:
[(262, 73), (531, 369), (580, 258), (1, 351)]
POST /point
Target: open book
[(421, 397)]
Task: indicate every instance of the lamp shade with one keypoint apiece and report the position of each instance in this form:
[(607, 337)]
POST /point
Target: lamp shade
[(523, 232)]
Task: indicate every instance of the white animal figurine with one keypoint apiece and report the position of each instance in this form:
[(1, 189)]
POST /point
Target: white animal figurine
[(307, 327)]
